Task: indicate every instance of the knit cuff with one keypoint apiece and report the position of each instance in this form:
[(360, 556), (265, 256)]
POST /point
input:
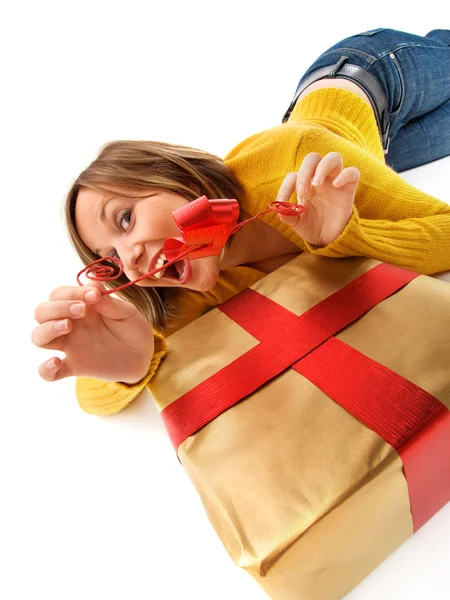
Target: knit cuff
[(420, 245)]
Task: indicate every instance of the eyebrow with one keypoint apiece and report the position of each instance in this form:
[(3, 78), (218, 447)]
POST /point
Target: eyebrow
[(102, 212), (103, 216)]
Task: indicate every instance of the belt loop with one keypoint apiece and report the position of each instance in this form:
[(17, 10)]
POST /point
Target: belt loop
[(337, 66)]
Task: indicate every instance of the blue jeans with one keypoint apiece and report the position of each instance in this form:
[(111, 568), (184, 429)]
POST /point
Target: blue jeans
[(414, 73)]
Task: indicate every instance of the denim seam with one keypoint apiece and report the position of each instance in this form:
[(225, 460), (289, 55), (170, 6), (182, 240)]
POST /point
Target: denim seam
[(399, 48), (374, 58), (402, 79), (349, 50)]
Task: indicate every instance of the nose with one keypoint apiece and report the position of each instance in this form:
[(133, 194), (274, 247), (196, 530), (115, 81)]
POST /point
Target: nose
[(131, 256)]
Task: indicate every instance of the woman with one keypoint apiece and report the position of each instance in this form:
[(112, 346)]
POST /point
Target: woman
[(377, 102)]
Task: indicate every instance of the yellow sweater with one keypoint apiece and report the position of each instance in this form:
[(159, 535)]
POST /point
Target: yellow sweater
[(392, 221)]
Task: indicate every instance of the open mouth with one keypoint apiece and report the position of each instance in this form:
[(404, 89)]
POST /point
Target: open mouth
[(176, 272)]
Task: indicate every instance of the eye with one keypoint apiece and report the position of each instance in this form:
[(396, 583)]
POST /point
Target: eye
[(123, 219)]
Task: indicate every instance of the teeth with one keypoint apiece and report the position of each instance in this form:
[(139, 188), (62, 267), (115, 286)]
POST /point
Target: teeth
[(159, 263)]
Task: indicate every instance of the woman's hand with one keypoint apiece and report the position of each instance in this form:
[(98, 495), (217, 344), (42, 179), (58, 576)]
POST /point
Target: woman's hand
[(327, 191), (107, 339)]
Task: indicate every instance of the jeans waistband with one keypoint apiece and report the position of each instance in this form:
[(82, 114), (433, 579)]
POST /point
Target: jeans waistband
[(361, 77)]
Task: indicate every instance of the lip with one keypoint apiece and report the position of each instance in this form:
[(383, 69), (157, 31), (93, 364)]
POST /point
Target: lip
[(188, 272)]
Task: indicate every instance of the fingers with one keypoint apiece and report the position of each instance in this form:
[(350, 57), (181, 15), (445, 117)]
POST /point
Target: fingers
[(116, 309), (48, 332), (329, 166), (88, 293), (59, 310), (49, 369), (54, 369), (349, 175), (300, 180), (313, 171), (55, 320), (105, 304), (306, 172), (287, 188)]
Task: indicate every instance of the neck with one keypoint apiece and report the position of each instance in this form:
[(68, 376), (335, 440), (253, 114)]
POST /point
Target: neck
[(237, 252), (255, 242)]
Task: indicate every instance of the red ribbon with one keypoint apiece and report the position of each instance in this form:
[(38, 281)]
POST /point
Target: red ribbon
[(411, 420), (205, 223), (205, 226)]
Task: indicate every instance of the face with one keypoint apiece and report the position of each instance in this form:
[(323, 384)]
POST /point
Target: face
[(134, 230)]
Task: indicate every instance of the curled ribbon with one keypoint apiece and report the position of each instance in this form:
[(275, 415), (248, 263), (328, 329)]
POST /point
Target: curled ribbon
[(205, 226)]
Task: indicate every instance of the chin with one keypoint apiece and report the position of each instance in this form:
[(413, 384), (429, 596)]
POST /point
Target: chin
[(205, 277), (205, 282)]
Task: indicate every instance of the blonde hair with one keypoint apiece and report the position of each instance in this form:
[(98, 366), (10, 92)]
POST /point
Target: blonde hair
[(139, 167)]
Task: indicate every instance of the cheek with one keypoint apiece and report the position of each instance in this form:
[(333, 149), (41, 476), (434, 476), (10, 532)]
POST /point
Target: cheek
[(129, 275), (156, 222)]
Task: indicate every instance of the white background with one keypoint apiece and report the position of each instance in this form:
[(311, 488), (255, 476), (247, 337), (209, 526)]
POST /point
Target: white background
[(99, 508)]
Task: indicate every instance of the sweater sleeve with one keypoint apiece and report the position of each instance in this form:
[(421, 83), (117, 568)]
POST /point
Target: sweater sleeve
[(98, 397), (392, 221), (420, 244)]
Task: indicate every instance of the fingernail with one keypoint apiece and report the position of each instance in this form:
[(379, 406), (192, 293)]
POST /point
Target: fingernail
[(318, 180), (280, 199), (60, 325), (90, 296), (51, 364), (77, 309), (301, 189)]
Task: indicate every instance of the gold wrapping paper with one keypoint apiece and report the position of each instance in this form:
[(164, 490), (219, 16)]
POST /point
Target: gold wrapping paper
[(303, 496)]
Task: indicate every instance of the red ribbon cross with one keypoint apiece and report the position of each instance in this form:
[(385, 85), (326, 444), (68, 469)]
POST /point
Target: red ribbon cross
[(407, 417)]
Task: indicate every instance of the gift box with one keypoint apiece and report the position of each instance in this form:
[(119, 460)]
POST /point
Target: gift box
[(311, 412)]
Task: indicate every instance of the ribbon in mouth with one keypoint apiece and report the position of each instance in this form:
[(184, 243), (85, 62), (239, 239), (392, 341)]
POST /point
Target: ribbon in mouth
[(205, 226)]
